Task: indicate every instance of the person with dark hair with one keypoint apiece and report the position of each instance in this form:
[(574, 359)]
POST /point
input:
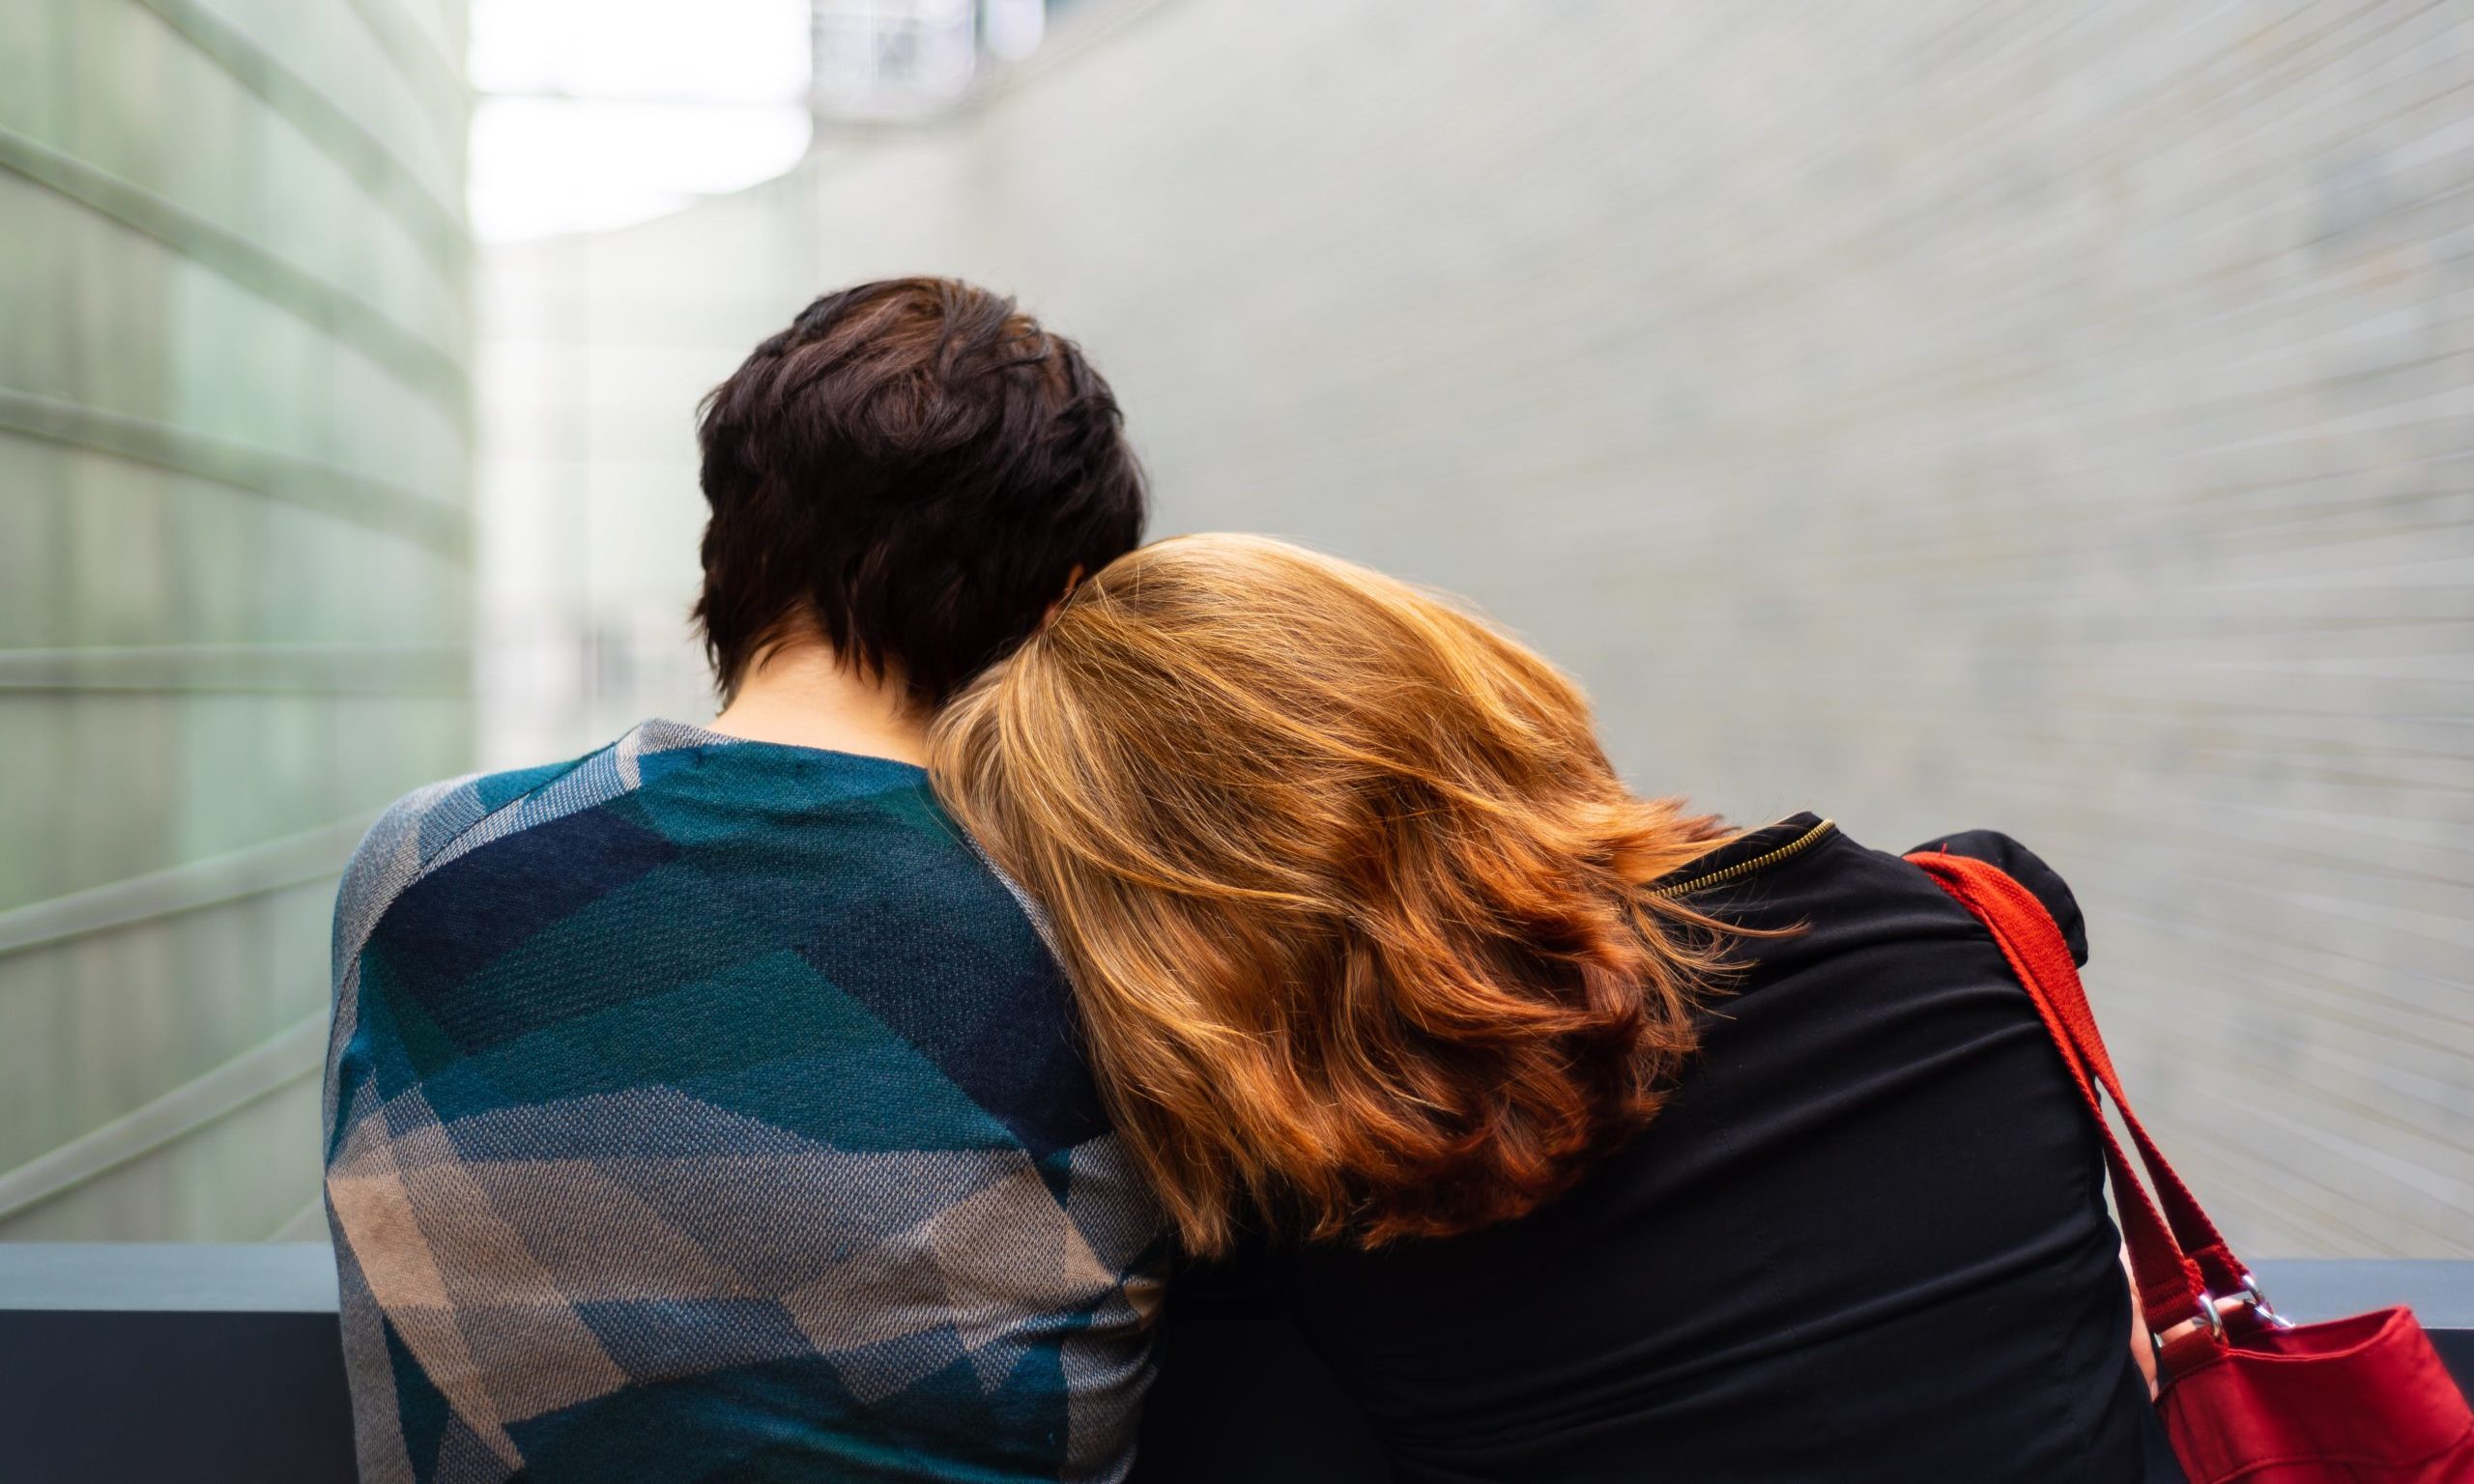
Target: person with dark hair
[(707, 1106)]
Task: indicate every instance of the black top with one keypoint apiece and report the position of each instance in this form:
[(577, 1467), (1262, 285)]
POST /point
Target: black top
[(1866, 1239)]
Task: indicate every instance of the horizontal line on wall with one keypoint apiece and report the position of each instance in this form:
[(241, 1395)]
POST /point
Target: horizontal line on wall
[(284, 476), (255, 870), (271, 1066), (333, 669), (437, 225), (416, 360), (308, 1224)]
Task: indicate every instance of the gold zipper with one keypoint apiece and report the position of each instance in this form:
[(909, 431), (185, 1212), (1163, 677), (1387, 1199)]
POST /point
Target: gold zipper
[(1793, 846)]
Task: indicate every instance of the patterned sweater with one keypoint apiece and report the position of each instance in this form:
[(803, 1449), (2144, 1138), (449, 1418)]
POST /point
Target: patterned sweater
[(707, 1110)]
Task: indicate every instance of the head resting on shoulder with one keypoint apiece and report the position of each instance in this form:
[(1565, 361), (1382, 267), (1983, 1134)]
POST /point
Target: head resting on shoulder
[(1351, 897)]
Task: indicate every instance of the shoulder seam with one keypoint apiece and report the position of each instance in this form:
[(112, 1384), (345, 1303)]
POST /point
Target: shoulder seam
[(446, 846)]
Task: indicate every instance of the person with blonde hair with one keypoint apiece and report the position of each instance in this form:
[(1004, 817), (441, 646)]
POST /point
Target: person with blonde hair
[(1583, 1136)]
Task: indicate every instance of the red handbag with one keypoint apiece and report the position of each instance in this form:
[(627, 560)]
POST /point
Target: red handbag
[(2246, 1396)]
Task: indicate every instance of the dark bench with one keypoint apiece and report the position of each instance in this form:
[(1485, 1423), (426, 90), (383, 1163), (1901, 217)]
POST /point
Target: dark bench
[(213, 1363)]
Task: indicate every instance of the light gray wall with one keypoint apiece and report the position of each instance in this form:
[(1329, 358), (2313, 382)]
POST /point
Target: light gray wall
[(2046, 416), (234, 570)]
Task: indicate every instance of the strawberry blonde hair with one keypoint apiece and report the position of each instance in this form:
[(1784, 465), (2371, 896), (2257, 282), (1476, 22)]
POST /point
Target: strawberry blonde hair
[(1352, 901)]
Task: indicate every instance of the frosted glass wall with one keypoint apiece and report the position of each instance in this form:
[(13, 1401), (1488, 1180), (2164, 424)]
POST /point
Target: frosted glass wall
[(234, 570)]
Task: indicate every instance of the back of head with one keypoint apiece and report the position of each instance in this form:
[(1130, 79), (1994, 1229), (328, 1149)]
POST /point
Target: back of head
[(1349, 893), (912, 471)]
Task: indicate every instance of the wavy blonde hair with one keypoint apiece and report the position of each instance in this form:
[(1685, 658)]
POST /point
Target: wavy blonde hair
[(1351, 899)]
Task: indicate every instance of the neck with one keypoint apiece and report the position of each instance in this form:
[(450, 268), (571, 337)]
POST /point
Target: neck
[(805, 695)]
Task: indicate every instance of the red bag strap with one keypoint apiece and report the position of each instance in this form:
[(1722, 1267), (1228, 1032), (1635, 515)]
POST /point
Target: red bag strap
[(2177, 1256), (2060, 997)]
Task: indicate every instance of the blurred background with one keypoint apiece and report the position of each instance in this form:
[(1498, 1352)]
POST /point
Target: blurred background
[(2054, 416)]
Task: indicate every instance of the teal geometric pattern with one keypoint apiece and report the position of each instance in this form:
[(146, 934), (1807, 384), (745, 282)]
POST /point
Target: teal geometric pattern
[(708, 1110)]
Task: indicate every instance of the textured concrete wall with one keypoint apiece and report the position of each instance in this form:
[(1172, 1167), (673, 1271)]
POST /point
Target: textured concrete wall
[(2046, 416), (234, 570)]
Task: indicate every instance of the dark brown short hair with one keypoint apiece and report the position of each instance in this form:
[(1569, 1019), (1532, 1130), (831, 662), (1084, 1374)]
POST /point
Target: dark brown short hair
[(915, 468)]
